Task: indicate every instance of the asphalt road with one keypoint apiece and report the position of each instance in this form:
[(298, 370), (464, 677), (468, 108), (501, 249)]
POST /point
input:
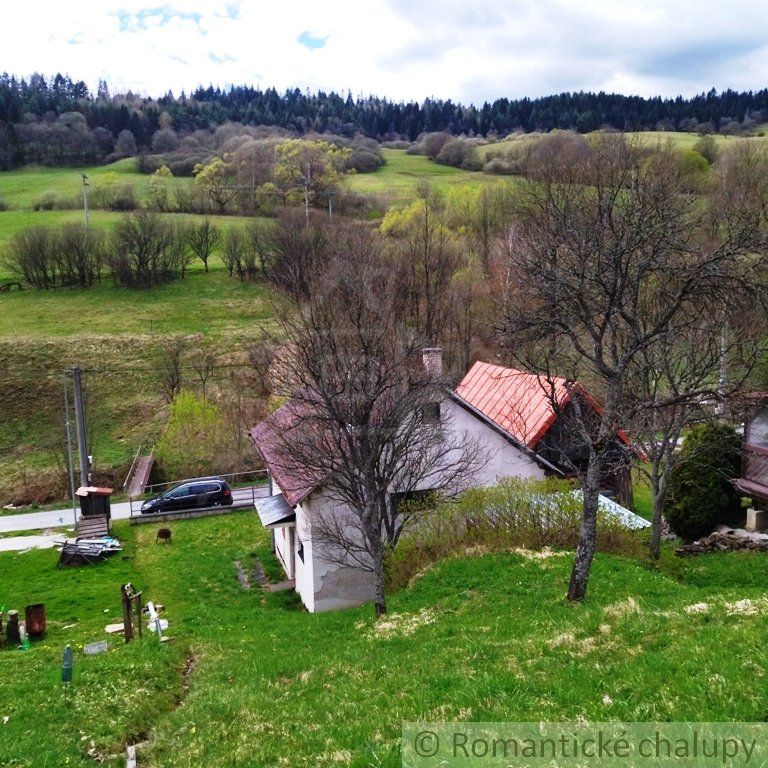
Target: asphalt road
[(57, 518)]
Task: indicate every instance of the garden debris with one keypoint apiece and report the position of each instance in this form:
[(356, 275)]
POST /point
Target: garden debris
[(88, 551), (726, 540), (93, 649)]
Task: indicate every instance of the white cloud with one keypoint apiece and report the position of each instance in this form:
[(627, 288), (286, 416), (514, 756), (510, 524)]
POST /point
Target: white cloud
[(404, 49)]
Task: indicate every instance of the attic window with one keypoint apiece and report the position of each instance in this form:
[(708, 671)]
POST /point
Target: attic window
[(430, 413)]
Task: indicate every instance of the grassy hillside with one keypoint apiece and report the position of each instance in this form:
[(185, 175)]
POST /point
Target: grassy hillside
[(118, 331), (397, 181), (120, 334), (475, 638), (23, 187)]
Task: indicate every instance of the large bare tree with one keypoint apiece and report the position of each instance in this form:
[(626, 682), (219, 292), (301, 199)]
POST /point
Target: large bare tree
[(606, 257), (363, 416)]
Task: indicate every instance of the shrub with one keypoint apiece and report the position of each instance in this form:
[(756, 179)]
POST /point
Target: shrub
[(50, 200), (47, 258), (30, 257), (144, 252), (459, 153), (365, 160), (497, 167), (514, 513), (700, 491), (194, 442)]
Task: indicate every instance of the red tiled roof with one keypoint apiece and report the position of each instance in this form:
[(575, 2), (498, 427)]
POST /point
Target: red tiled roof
[(518, 402), (294, 481)]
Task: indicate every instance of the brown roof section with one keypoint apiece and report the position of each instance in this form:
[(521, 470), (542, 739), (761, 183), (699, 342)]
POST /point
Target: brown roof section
[(268, 437)]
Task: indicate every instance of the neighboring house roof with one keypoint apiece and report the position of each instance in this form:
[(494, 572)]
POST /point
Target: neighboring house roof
[(522, 404), (294, 481)]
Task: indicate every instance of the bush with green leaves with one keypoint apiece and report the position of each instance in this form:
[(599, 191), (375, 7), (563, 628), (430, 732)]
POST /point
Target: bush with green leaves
[(194, 443), (701, 493)]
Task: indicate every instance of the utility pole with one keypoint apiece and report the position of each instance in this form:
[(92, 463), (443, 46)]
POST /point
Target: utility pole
[(85, 198), (69, 449), (82, 436), (307, 185)]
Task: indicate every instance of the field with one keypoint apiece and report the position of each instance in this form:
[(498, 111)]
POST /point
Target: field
[(251, 680), (22, 188), (397, 181)]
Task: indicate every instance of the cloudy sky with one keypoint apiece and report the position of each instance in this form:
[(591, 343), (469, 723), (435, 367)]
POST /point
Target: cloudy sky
[(404, 49)]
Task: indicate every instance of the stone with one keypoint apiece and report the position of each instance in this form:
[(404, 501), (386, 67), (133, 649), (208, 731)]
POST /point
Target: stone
[(93, 649), (757, 520)]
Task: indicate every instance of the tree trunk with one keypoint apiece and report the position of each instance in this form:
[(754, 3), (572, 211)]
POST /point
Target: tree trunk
[(577, 588), (658, 505), (659, 485), (380, 601)]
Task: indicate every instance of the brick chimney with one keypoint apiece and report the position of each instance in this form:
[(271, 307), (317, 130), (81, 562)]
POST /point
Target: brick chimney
[(433, 362)]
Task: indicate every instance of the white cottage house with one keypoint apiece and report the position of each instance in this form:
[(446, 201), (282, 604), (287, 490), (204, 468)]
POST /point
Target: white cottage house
[(487, 407)]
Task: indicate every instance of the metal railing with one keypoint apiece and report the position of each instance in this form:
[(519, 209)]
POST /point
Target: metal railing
[(133, 467)]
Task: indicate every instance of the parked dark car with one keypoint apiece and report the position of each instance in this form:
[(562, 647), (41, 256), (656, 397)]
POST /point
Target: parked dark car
[(199, 493)]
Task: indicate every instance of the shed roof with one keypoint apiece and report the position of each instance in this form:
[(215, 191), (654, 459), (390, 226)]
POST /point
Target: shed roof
[(274, 511)]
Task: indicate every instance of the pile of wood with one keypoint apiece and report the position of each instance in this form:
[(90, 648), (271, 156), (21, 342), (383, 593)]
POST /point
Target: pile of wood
[(725, 541)]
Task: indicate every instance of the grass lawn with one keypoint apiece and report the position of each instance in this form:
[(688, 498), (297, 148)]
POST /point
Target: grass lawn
[(476, 638)]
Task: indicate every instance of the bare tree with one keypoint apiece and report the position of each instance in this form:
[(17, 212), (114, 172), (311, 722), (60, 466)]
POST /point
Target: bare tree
[(204, 365), (141, 251), (606, 257), (675, 382), (293, 249), (171, 367), (203, 240), (358, 418), (428, 259)]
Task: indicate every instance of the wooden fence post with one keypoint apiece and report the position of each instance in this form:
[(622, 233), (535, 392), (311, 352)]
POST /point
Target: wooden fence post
[(125, 592)]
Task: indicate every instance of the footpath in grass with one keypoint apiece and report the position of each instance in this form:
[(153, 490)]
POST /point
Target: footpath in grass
[(483, 637)]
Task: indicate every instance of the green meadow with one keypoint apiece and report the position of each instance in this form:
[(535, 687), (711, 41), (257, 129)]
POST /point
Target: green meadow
[(398, 180), (250, 679)]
